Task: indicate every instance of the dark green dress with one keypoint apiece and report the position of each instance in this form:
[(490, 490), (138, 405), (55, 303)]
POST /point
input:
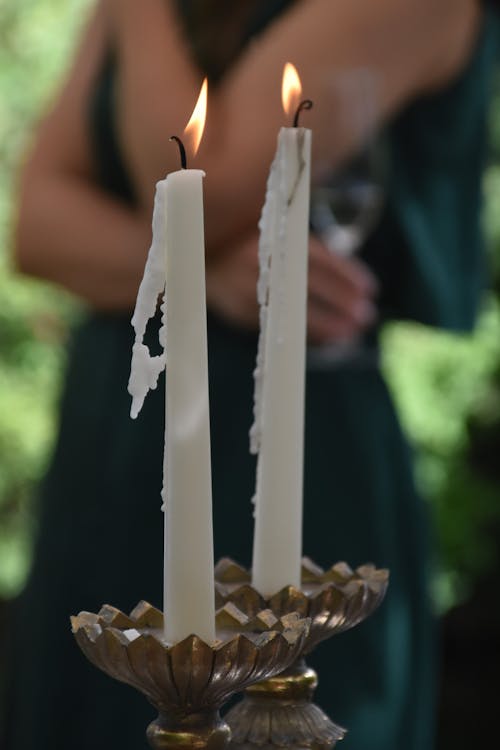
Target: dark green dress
[(101, 534)]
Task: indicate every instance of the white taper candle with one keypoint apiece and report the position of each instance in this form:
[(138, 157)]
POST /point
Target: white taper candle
[(278, 432), (176, 265), (189, 563)]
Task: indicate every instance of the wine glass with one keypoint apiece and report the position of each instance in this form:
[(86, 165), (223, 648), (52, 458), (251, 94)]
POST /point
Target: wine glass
[(346, 203)]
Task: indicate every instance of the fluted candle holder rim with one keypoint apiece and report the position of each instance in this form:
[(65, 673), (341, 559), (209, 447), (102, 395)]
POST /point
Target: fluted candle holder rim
[(336, 599), (190, 675)]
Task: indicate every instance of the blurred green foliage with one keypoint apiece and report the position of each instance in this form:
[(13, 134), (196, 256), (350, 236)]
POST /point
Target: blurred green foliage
[(33, 317), (447, 387), (441, 384)]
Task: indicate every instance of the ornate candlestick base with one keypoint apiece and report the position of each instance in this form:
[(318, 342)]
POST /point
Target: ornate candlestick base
[(189, 681), (279, 711)]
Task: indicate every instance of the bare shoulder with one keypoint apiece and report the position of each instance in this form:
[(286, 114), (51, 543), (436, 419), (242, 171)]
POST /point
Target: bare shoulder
[(143, 35), (131, 19), (62, 140), (154, 96)]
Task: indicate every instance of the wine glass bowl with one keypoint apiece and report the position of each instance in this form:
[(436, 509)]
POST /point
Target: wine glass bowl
[(347, 201), (345, 210)]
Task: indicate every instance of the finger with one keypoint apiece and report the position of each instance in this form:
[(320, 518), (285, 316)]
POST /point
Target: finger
[(337, 297), (324, 328), (352, 271)]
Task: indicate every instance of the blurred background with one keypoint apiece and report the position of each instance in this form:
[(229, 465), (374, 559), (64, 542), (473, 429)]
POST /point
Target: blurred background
[(447, 388)]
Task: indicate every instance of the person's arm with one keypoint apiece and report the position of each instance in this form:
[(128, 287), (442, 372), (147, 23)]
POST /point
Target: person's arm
[(68, 231), (341, 291), (411, 47), (72, 233)]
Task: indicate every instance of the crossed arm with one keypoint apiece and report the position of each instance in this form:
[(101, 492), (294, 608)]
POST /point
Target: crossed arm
[(72, 233)]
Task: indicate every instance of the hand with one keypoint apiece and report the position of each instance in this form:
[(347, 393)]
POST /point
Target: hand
[(231, 280), (341, 296), (341, 291)]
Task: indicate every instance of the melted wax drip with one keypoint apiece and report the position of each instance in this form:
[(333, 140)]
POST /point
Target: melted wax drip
[(145, 368)]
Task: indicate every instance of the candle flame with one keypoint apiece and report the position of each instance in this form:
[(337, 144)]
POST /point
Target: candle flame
[(196, 125), (291, 88)]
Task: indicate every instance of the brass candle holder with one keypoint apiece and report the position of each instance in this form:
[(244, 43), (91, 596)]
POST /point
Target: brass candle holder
[(189, 681), (279, 711)]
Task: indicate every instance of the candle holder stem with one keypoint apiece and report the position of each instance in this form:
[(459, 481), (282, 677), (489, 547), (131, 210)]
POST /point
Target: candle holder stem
[(279, 712), (203, 730)]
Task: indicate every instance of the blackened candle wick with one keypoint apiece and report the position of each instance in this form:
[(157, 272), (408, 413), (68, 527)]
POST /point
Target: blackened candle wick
[(306, 104), (182, 150)]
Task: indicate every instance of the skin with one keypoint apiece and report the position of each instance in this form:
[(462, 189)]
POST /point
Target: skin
[(412, 47)]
